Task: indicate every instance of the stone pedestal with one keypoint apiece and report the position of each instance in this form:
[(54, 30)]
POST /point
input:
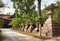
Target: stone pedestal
[(47, 28)]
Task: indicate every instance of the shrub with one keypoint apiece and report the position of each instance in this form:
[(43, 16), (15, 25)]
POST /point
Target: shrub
[(1, 4), (15, 22), (1, 22), (0, 36)]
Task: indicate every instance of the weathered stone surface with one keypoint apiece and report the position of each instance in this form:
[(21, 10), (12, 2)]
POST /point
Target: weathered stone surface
[(35, 31), (47, 28), (29, 30), (25, 29), (50, 28)]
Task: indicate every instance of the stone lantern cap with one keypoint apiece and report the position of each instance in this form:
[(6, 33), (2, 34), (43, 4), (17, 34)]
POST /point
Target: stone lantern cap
[(50, 7)]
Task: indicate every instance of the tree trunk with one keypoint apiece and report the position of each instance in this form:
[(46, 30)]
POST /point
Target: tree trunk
[(39, 14), (39, 8)]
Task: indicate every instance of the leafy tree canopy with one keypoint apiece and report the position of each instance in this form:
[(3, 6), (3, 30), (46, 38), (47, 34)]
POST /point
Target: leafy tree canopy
[(1, 4)]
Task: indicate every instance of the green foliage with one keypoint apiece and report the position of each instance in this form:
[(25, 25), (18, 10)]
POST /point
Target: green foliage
[(29, 18), (44, 16), (23, 18), (15, 22), (1, 4), (27, 15), (23, 6), (56, 15), (1, 22), (0, 35)]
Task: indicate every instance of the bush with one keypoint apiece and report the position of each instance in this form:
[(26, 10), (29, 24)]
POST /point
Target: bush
[(1, 4), (15, 22), (0, 36), (1, 22)]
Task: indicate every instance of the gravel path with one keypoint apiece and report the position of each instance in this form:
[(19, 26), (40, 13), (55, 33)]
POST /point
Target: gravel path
[(9, 35)]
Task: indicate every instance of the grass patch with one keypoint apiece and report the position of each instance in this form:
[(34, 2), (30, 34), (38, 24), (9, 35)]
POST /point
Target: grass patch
[(0, 36)]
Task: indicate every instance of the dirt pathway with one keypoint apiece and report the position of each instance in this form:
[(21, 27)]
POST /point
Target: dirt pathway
[(9, 35)]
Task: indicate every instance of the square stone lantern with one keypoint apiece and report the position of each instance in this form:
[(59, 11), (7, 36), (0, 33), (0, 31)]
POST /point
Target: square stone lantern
[(47, 29), (50, 9)]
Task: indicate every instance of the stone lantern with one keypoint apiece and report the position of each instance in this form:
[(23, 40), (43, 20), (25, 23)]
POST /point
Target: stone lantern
[(47, 27), (50, 9)]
